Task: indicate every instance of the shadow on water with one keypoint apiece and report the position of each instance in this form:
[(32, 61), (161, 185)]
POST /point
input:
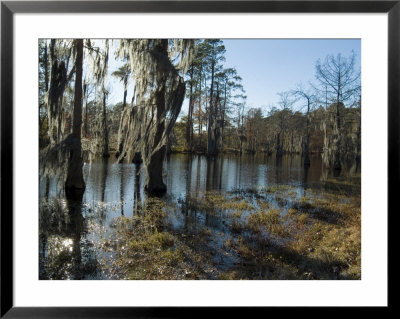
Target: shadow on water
[(121, 193), (64, 251), (70, 227), (137, 197)]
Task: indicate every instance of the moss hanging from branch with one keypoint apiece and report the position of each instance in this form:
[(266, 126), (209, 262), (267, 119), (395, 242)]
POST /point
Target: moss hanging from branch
[(159, 90), (55, 94), (63, 159), (99, 68)]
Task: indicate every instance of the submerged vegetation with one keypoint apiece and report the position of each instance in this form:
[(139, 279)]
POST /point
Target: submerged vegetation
[(253, 235)]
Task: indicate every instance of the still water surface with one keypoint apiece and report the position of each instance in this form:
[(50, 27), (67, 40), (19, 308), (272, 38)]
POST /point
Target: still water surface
[(67, 243)]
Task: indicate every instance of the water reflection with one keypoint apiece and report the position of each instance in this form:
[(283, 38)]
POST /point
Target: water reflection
[(69, 228), (64, 252), (195, 174)]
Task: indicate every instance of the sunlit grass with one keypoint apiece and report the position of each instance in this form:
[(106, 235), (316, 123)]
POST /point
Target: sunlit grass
[(249, 235), (318, 238)]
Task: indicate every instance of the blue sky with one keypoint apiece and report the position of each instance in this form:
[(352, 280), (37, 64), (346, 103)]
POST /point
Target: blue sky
[(270, 66)]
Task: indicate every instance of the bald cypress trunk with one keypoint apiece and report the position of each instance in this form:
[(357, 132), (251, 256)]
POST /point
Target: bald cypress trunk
[(217, 122), (74, 174), (46, 68), (160, 93), (125, 91), (105, 127), (86, 130), (307, 144), (337, 137), (223, 119), (189, 124), (211, 119)]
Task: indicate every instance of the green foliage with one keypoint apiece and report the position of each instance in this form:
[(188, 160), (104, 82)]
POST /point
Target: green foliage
[(179, 143)]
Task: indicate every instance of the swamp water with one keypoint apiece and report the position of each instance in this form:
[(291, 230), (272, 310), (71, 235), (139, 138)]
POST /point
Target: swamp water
[(228, 218)]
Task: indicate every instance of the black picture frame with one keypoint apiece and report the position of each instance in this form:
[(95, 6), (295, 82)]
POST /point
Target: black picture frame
[(9, 8)]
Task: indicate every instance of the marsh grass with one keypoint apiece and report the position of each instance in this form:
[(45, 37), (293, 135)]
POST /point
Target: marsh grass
[(243, 234), (318, 237), (147, 247), (324, 241)]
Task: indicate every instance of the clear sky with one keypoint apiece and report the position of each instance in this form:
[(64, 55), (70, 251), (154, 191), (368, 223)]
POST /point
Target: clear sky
[(270, 66)]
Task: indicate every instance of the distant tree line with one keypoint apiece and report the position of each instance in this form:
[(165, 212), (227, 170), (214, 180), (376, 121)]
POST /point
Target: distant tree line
[(323, 118), (77, 121)]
